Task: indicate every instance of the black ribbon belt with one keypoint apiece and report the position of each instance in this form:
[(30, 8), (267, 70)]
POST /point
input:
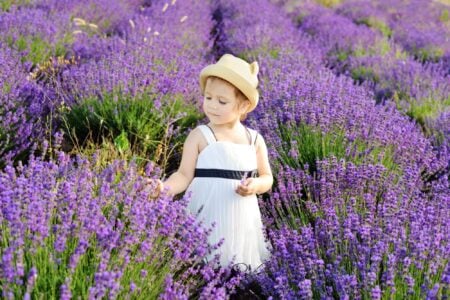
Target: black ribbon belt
[(229, 174)]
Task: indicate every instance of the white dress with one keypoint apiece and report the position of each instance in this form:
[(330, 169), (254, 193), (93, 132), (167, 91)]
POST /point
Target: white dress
[(237, 218)]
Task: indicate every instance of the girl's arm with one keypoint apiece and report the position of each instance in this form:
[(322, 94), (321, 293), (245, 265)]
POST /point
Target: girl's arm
[(264, 181), (265, 178), (179, 181)]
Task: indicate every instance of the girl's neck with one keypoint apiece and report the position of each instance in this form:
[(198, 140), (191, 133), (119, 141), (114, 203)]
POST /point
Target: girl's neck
[(236, 125), (231, 132)]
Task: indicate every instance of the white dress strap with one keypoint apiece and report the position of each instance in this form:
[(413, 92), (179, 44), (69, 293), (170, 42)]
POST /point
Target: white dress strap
[(207, 133), (254, 135)]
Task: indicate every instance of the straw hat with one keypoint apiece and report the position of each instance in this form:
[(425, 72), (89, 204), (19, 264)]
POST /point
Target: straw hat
[(238, 72)]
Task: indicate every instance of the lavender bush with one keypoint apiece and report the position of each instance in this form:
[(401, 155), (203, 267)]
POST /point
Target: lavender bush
[(353, 230), (37, 33), (25, 108), (71, 229), (31, 37)]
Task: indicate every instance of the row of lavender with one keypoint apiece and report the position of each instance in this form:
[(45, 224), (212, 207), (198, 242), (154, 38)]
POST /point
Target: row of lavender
[(420, 91), (351, 215), (69, 227), (421, 27)]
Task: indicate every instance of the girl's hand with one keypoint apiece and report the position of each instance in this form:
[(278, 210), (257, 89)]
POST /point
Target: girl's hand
[(157, 191), (247, 187), (156, 185)]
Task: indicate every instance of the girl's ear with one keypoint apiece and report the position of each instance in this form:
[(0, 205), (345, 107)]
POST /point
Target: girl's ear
[(244, 105)]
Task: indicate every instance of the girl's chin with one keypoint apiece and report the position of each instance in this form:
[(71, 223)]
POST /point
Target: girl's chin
[(215, 118)]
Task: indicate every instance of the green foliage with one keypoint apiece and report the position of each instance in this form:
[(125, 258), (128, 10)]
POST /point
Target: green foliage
[(328, 3), (38, 49), (263, 49), (377, 24), (426, 109), (5, 5), (444, 17), (121, 142), (382, 47), (6, 88), (342, 55), (304, 145), (51, 275), (362, 73), (422, 111), (400, 54), (134, 124), (155, 271), (360, 51), (5, 144), (430, 53)]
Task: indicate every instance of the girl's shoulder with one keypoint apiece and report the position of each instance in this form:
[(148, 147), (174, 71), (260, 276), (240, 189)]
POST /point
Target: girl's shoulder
[(254, 134), (203, 135), (251, 130), (195, 134), (257, 138)]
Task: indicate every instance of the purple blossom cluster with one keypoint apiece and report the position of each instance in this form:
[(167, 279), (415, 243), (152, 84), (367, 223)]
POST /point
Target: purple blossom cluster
[(57, 215)]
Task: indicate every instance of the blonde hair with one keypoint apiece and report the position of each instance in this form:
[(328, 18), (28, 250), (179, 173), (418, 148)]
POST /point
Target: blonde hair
[(237, 93)]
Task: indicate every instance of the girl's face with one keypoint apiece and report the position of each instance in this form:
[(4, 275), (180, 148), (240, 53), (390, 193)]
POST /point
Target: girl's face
[(220, 103)]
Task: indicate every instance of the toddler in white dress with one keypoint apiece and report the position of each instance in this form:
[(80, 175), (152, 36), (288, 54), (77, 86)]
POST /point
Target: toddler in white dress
[(225, 164)]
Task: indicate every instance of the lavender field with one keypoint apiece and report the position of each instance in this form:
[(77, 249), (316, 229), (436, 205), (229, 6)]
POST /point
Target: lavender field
[(97, 96)]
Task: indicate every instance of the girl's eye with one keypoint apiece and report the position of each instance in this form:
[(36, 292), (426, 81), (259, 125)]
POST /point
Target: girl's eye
[(208, 98), (223, 103)]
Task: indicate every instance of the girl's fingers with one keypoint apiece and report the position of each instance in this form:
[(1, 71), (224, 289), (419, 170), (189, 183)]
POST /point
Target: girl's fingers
[(243, 190), (157, 187), (247, 181)]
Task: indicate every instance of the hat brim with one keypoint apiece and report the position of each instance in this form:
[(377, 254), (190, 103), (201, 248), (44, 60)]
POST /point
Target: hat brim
[(232, 77)]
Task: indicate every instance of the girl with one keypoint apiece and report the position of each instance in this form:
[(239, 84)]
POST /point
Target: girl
[(220, 161)]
